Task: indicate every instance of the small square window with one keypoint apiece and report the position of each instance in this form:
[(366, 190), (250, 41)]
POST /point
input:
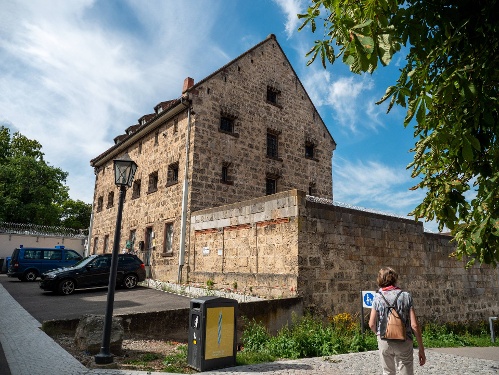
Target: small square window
[(271, 186), (227, 124), (136, 189), (172, 177), (153, 182)]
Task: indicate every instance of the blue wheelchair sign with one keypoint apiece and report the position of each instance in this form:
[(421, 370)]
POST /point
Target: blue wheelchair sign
[(367, 299)]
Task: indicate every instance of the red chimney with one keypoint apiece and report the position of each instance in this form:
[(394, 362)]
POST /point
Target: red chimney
[(188, 83)]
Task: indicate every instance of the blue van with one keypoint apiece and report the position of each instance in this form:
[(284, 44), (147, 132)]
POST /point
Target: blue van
[(28, 263)]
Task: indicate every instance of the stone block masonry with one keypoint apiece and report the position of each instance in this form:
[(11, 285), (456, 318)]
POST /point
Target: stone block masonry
[(283, 245)]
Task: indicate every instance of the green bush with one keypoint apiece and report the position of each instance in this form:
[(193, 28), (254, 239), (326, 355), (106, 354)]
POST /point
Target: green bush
[(307, 337)]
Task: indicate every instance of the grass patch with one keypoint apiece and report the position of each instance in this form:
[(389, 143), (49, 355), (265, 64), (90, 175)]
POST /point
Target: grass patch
[(144, 361), (177, 362)]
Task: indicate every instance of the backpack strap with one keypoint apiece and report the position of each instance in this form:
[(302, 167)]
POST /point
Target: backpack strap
[(394, 304)]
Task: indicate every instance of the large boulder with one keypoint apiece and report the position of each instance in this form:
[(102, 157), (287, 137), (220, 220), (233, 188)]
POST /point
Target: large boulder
[(88, 336)]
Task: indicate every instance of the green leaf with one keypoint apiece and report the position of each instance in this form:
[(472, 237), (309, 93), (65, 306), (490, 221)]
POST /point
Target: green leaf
[(467, 151)]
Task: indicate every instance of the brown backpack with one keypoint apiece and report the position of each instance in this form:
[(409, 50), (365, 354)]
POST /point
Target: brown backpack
[(392, 326)]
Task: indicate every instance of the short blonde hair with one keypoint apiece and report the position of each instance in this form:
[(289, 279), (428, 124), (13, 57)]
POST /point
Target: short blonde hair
[(387, 277)]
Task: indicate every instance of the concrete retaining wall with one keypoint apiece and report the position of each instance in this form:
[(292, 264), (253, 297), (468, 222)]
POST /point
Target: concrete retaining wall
[(174, 324)]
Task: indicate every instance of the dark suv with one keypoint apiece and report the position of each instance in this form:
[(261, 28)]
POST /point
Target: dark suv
[(94, 271)]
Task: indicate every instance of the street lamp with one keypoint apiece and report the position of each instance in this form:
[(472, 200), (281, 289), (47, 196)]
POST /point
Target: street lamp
[(124, 171)]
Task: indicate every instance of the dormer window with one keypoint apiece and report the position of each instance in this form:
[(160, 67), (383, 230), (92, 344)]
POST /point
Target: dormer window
[(160, 109), (143, 121)]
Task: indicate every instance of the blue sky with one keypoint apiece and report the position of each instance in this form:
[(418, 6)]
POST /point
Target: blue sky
[(77, 73)]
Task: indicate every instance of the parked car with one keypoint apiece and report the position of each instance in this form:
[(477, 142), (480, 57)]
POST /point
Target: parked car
[(94, 271), (27, 263)]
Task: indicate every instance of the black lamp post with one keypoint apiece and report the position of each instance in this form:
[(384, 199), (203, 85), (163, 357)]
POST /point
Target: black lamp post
[(124, 171)]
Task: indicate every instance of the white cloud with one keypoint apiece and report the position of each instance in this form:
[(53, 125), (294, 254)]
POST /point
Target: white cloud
[(291, 8), (75, 77), (353, 106), (373, 184)]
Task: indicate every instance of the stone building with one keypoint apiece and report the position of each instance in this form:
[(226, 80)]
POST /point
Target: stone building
[(259, 215), (245, 131)]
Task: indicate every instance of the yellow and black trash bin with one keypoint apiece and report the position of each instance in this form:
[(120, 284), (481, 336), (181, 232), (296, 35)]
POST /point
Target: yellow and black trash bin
[(212, 333)]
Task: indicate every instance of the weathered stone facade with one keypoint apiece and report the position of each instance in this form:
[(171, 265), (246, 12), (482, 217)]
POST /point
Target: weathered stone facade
[(253, 131), (329, 254)]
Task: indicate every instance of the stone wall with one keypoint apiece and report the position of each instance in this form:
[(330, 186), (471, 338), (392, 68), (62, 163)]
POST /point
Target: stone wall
[(329, 254), (252, 245)]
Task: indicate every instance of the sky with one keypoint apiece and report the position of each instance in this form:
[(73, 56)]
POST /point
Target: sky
[(75, 74)]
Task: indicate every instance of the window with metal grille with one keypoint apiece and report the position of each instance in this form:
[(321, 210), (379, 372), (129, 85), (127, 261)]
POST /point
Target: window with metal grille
[(272, 145), (172, 176)]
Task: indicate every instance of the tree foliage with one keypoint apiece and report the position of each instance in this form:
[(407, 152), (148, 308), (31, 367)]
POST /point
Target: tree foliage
[(449, 87), (31, 191)]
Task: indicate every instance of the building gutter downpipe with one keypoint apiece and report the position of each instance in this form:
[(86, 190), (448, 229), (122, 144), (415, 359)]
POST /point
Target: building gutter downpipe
[(181, 257)]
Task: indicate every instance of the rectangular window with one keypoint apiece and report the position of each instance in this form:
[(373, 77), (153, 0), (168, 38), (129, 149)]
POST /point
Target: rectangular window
[(33, 254), (272, 145), (136, 189), (225, 174), (172, 177), (156, 138), (106, 243), (52, 255), (272, 95), (271, 186), (100, 203), (309, 150), (153, 182), (168, 247), (110, 199), (130, 244), (96, 244), (227, 124), (148, 246)]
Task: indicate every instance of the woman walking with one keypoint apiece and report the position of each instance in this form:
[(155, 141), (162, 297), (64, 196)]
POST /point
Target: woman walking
[(395, 355)]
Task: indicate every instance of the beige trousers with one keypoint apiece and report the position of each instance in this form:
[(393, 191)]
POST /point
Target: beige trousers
[(396, 356)]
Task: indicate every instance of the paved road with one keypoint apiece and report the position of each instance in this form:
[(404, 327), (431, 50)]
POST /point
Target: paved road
[(49, 306)]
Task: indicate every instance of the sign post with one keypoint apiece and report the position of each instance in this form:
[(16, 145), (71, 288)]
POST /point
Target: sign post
[(367, 298)]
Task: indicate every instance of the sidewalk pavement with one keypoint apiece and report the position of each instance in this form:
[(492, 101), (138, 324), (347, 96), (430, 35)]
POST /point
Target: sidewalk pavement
[(29, 351)]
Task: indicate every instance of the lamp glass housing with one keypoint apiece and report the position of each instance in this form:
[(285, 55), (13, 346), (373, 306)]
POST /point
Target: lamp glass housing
[(124, 171)]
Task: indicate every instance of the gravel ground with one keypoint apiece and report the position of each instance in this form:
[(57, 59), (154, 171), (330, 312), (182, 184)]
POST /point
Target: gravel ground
[(137, 354)]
